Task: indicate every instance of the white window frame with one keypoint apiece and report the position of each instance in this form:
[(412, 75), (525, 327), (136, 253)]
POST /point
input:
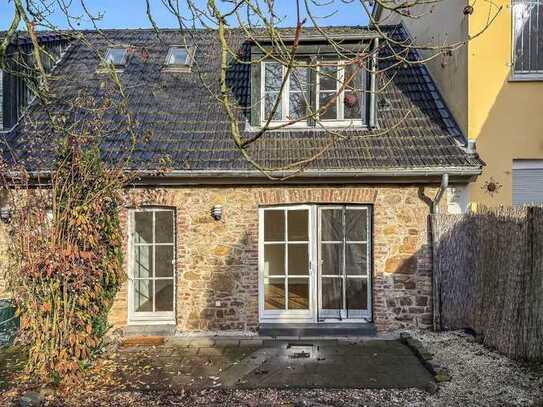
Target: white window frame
[(285, 98), (530, 75), (340, 121), (160, 317), (285, 101)]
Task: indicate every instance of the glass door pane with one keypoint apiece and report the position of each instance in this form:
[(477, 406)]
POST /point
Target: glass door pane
[(357, 296), (344, 263), (143, 295), (274, 293), (298, 293), (332, 297)]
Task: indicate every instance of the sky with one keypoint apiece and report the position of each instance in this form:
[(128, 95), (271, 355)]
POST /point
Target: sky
[(132, 13)]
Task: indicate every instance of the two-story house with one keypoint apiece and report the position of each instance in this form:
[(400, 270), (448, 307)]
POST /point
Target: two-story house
[(212, 243), (493, 85)]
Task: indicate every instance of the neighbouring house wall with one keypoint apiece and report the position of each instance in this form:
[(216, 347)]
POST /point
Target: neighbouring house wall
[(436, 25), (218, 260), (504, 116)]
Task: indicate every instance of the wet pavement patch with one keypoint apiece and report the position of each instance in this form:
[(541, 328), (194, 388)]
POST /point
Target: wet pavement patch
[(317, 364), (370, 364)]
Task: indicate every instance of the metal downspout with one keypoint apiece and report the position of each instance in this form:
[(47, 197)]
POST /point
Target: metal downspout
[(439, 195), (436, 289)]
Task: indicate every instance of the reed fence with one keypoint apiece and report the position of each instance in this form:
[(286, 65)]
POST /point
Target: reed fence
[(488, 276)]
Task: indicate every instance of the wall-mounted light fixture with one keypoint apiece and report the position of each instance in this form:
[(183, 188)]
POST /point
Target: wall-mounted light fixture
[(216, 212), (5, 215)]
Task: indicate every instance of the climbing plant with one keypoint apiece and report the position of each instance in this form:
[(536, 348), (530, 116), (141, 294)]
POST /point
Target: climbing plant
[(65, 251)]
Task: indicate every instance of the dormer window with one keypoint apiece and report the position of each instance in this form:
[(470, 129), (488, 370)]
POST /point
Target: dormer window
[(294, 98), (339, 86), (331, 94), (117, 57)]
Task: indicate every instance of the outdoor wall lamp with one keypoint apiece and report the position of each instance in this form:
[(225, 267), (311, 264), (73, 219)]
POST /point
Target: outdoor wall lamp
[(216, 212), (5, 215)]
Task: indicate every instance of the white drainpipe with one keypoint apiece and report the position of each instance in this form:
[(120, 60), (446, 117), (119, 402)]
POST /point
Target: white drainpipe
[(439, 195)]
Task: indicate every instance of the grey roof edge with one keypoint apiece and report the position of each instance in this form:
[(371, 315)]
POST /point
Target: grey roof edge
[(424, 174), (371, 172), (368, 35)]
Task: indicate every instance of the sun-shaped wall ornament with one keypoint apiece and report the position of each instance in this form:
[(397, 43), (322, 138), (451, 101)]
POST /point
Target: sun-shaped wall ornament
[(491, 186)]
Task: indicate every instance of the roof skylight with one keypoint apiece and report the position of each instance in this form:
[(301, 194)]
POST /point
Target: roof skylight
[(178, 56), (116, 56)]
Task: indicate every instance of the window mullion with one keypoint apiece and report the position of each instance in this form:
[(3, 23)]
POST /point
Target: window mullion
[(286, 259), (262, 92), (153, 289), (340, 91), (318, 90), (285, 97), (344, 259)]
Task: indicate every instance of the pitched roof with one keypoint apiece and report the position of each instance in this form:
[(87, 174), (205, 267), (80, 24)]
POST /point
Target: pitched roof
[(189, 129)]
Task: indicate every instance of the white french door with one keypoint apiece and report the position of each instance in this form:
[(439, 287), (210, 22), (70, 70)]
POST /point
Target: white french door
[(344, 263), (285, 253), (151, 259), (315, 263)]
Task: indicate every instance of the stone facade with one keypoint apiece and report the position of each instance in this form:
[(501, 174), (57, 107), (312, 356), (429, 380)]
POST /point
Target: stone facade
[(217, 261)]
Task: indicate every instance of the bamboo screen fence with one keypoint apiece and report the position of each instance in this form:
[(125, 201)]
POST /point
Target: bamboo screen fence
[(488, 276)]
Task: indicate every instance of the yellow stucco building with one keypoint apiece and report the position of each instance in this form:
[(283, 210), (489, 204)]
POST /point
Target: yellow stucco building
[(493, 85)]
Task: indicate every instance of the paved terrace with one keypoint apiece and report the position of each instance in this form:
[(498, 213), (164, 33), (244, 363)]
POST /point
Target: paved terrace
[(177, 363)]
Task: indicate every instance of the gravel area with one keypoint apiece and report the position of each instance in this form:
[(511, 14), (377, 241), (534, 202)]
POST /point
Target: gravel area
[(479, 377)]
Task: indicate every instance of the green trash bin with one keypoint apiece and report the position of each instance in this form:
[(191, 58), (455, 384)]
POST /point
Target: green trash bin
[(9, 323)]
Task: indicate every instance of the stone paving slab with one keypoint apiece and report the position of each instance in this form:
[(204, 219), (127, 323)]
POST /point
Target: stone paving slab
[(370, 364), (265, 363)]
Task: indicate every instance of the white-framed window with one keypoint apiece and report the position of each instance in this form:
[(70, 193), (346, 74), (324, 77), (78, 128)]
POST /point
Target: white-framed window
[(527, 182), (527, 39), (340, 93), (117, 57), (178, 56), (339, 90), (294, 98), (151, 265)]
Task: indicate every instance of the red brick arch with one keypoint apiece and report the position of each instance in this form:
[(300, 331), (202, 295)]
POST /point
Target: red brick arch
[(317, 195)]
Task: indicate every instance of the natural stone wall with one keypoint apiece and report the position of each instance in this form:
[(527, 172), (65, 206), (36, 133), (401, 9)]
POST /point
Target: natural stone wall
[(217, 261)]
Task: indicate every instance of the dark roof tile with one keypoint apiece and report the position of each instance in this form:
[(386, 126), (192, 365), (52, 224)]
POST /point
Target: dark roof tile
[(189, 128)]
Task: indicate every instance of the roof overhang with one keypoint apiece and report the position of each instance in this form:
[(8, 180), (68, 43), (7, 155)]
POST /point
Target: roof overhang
[(319, 37), (392, 176), (459, 175)]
